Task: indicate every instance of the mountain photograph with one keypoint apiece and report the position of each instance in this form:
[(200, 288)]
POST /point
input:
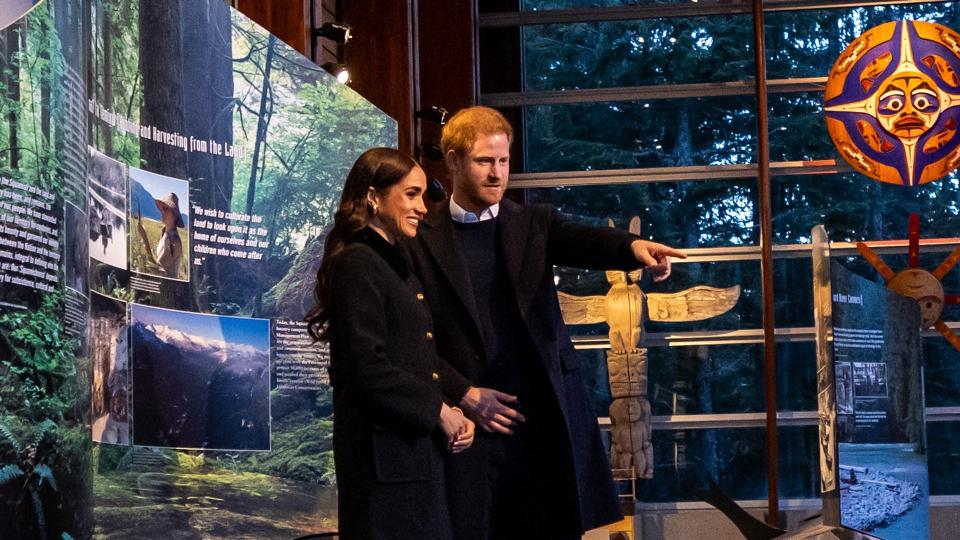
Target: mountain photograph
[(200, 381)]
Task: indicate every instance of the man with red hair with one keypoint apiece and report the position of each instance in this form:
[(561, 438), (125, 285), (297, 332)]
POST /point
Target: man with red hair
[(538, 469)]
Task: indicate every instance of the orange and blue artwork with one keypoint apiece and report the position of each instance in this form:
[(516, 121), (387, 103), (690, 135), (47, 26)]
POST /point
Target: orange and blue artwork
[(892, 102)]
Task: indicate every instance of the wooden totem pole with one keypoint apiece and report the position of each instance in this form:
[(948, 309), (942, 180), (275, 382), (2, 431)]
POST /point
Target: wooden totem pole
[(623, 309)]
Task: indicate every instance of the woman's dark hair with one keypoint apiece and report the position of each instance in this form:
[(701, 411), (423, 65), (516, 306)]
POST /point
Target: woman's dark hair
[(378, 168)]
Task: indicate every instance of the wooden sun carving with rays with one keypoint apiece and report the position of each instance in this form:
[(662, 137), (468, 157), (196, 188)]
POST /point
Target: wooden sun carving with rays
[(919, 284)]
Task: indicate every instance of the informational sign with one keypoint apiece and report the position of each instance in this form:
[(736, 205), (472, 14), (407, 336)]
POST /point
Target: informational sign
[(879, 408), (167, 172)]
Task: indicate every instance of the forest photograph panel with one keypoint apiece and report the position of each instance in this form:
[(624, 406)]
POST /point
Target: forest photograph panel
[(45, 448), (271, 137)]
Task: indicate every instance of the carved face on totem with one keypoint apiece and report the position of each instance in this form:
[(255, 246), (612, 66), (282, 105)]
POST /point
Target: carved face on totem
[(892, 102)]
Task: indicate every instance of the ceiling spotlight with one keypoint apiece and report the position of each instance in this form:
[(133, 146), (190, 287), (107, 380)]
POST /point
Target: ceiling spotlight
[(339, 71), (432, 151), (437, 115), (337, 32)]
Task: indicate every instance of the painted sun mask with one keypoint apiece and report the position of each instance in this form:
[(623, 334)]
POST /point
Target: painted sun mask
[(908, 105), (892, 102)]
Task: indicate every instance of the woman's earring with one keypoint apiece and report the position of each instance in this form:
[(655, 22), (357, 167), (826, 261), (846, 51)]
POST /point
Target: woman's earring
[(375, 208)]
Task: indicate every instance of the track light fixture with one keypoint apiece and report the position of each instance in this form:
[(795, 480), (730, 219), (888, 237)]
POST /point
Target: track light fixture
[(437, 115), (339, 71), (337, 32)]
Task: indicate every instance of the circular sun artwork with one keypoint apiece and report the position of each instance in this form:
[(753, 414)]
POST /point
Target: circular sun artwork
[(892, 102)]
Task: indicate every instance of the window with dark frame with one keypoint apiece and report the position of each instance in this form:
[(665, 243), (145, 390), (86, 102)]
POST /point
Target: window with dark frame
[(626, 108)]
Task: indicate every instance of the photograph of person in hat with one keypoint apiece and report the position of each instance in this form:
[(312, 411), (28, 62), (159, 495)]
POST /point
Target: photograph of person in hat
[(169, 249), (157, 206)]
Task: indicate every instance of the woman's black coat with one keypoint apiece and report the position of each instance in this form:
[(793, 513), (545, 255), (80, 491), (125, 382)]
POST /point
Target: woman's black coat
[(386, 378)]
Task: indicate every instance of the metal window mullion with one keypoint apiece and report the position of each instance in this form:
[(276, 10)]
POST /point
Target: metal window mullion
[(746, 336), (680, 422), (671, 11), (802, 251), (523, 112), (688, 173), (640, 508), (580, 96), (613, 13)]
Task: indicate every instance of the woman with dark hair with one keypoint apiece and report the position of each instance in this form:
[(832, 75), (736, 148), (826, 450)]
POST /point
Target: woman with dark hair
[(391, 421)]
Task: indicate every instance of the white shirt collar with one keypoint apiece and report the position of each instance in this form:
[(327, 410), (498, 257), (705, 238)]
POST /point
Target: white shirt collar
[(464, 216)]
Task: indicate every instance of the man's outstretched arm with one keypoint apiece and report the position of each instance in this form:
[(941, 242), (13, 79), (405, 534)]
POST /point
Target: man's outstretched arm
[(603, 248)]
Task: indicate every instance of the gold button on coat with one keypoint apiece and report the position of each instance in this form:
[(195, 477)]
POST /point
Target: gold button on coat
[(435, 376), (429, 336), (420, 296)]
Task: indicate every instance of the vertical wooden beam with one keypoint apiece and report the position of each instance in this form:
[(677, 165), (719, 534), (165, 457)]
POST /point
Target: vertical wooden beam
[(286, 19), (321, 12), (446, 65), (380, 58), (766, 264)]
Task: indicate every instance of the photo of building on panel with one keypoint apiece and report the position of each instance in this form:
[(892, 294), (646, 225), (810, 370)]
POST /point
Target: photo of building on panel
[(107, 190)]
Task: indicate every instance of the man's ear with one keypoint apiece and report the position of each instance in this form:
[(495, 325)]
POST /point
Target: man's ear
[(452, 160)]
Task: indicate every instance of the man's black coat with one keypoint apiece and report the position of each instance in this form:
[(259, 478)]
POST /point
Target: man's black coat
[(533, 240)]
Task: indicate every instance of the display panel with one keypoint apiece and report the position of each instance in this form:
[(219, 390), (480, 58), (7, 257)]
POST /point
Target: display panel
[(231, 149), (45, 371), (879, 408), (159, 236)]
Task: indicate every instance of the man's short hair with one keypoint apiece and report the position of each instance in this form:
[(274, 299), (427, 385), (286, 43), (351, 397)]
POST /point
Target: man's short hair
[(468, 125)]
